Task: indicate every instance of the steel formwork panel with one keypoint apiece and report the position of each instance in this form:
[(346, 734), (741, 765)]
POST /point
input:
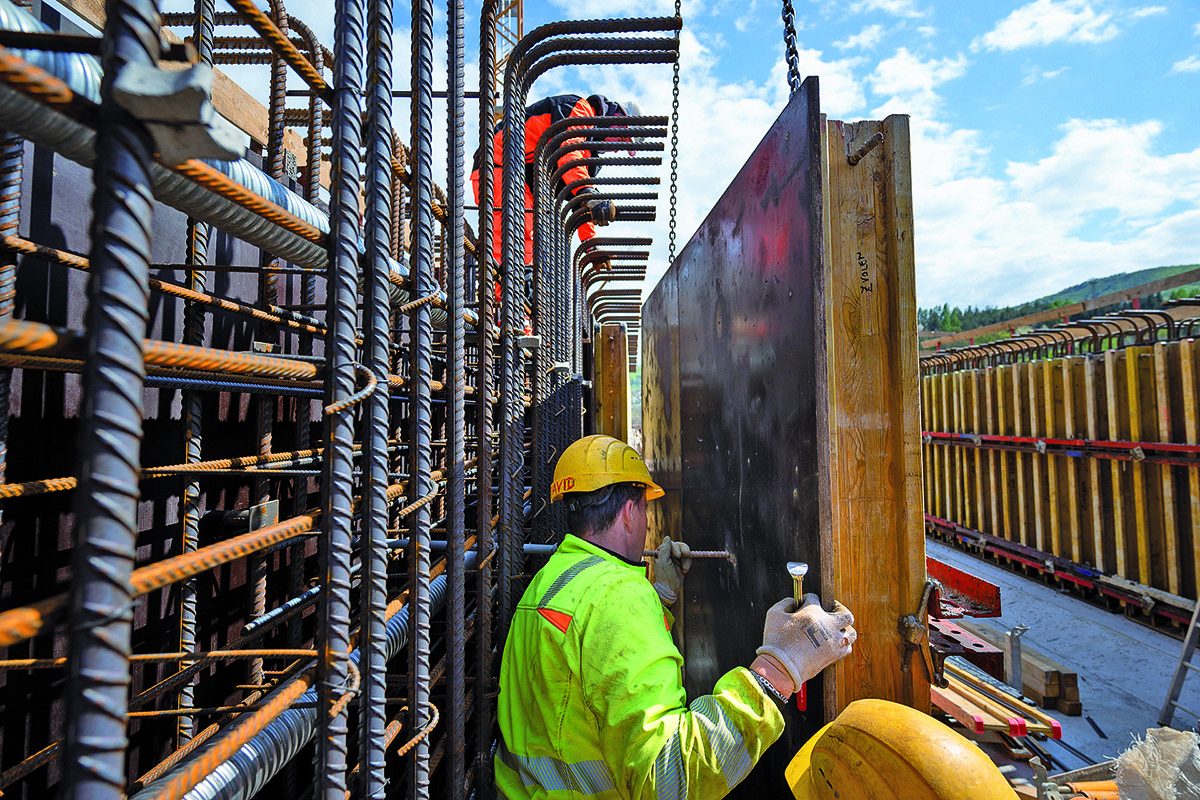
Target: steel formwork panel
[(742, 408)]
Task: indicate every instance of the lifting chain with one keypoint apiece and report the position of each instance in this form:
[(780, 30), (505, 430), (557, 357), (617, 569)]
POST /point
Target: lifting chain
[(789, 41), (674, 145)]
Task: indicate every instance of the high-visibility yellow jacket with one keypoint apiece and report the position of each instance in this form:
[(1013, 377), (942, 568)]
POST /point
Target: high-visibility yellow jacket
[(591, 695)]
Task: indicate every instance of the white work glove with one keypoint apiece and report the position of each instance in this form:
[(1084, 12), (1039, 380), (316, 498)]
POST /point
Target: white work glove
[(804, 642), (673, 561)]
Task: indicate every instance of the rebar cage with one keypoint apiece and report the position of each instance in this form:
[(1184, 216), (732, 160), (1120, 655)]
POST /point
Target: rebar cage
[(276, 432)]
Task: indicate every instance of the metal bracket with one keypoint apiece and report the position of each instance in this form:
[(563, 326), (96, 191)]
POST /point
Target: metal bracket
[(176, 107), (914, 628), (264, 515)]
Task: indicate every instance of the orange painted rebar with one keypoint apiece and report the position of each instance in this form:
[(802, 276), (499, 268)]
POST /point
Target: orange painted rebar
[(32, 488), (219, 183), (178, 568), (183, 752), (32, 80), (416, 740), (19, 624), (273, 314), (35, 338), (235, 463), (283, 47), (38, 759), (243, 731), (23, 623), (211, 655)]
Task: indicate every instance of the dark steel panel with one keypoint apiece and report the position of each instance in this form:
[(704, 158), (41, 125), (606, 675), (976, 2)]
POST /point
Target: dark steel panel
[(747, 402)]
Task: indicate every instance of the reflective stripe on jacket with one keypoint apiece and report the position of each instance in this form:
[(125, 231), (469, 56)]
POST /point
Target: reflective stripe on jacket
[(592, 701)]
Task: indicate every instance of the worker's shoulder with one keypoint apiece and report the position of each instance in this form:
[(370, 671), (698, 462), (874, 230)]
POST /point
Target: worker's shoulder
[(572, 576)]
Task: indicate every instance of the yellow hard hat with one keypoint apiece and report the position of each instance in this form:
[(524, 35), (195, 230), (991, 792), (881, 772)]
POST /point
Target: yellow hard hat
[(594, 462), (878, 750)]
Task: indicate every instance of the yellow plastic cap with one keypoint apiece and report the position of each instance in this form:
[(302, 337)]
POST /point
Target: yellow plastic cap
[(594, 462), (879, 750)]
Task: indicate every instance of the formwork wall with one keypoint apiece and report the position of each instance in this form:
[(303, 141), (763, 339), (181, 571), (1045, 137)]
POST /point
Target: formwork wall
[(779, 410), (1089, 459)]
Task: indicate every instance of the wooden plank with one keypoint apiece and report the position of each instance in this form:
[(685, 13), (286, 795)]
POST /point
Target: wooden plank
[(1062, 312), (1186, 354), (1004, 417), (610, 390), (1113, 384), (1033, 372), (1162, 413), (990, 380), (974, 381), (1091, 376), (1052, 392), (873, 374), (1019, 405), (1141, 522), (1072, 367), (947, 471)]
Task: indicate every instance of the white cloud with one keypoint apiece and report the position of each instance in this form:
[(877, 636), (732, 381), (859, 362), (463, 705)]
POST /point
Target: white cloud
[(897, 8), (1054, 221), (865, 39), (928, 31), (1196, 30), (1189, 64), (1147, 11), (747, 18), (1035, 73), (909, 81), (1043, 22)]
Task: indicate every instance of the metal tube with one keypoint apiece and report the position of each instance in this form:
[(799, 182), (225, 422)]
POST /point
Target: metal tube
[(106, 511)]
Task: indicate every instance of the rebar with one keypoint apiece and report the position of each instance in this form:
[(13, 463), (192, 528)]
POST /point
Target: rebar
[(389, 338), (118, 292)]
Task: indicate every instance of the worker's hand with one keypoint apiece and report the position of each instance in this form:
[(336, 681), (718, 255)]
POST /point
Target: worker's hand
[(804, 642), (603, 211), (673, 561)]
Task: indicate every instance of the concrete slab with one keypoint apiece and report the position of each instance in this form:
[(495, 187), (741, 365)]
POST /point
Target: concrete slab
[(1124, 668)]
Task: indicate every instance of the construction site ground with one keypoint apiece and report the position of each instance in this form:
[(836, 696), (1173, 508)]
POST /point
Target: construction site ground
[(1125, 668)]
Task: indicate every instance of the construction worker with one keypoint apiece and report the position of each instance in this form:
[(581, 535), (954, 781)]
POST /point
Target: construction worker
[(538, 117), (591, 696), (878, 750)]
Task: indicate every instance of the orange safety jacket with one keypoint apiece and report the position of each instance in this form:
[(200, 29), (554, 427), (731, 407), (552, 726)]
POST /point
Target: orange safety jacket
[(538, 117)]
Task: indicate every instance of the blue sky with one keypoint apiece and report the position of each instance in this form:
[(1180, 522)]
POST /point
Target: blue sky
[(1053, 140)]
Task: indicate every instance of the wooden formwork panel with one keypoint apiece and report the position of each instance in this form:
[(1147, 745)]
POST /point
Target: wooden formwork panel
[(1133, 515), (781, 408), (610, 389)]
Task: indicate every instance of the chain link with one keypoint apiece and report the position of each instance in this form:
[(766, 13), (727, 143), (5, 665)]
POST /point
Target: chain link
[(789, 41), (674, 146)]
